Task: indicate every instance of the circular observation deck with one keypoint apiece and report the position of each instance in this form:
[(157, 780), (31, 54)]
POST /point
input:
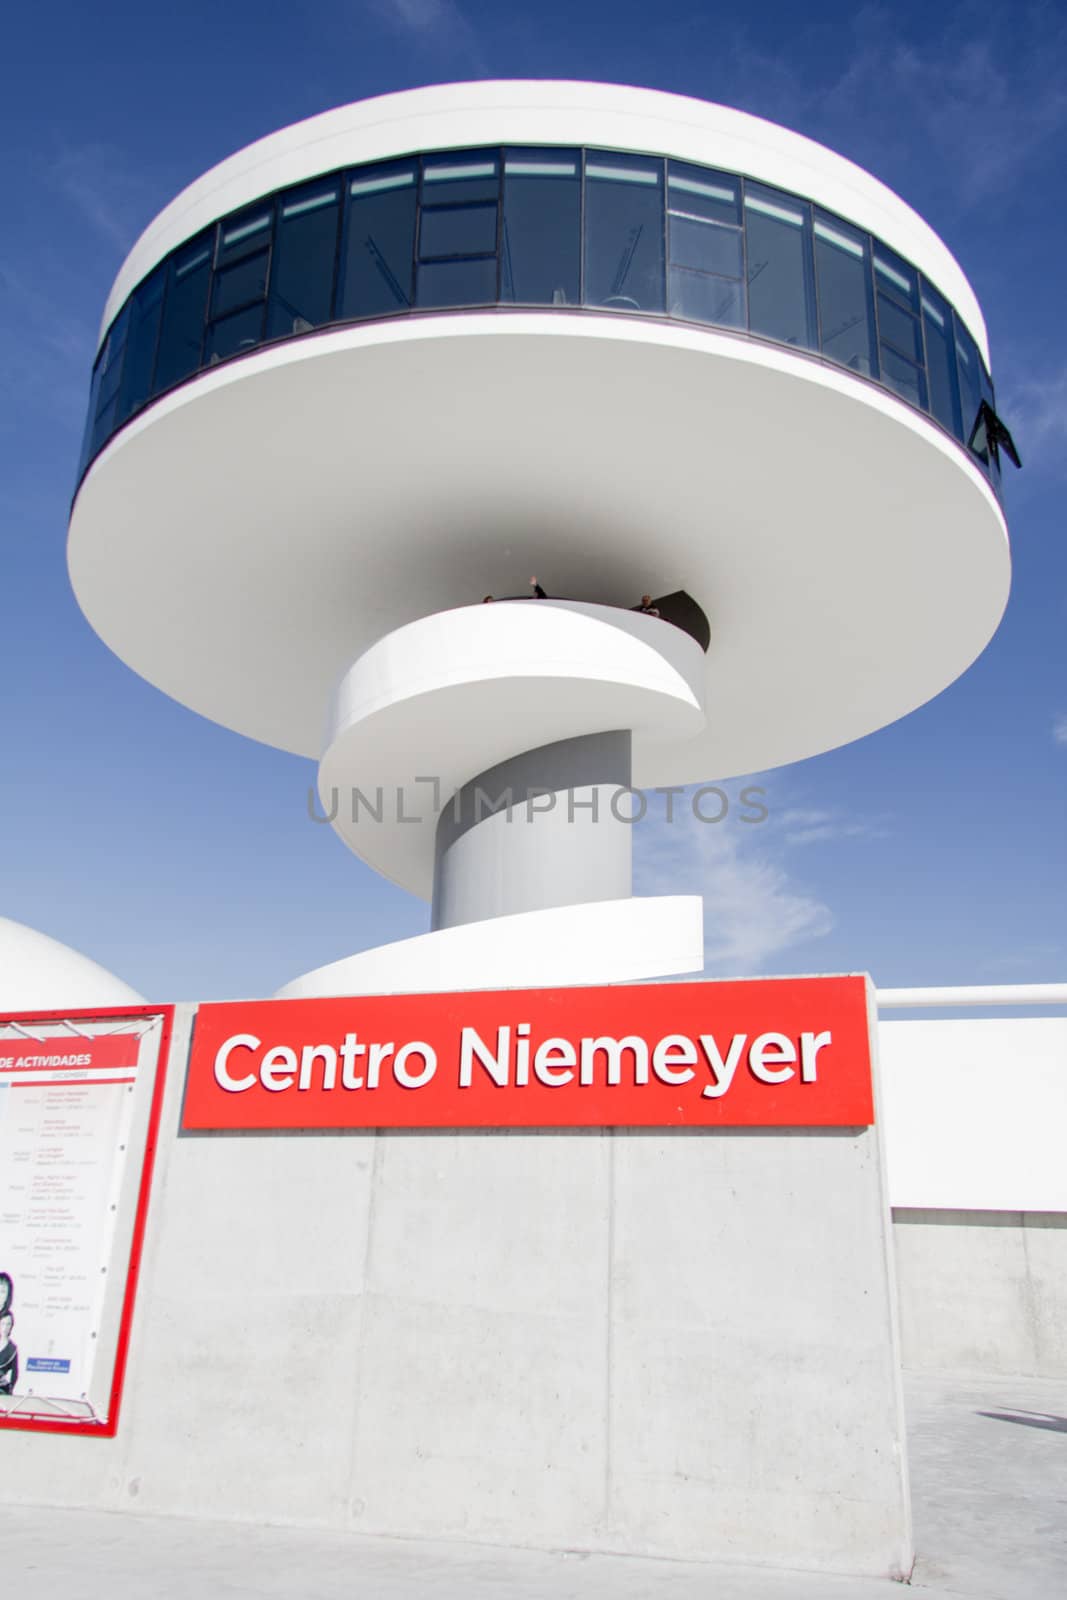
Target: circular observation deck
[(403, 354)]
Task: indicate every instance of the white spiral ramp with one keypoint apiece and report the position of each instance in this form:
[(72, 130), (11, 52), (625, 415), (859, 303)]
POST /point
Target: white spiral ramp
[(482, 758)]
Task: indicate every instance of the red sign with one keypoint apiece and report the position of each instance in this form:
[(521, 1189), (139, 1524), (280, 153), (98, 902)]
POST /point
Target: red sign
[(777, 1052)]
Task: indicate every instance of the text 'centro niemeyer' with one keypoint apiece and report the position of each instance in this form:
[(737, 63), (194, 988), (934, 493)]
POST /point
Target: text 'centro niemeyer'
[(513, 1061)]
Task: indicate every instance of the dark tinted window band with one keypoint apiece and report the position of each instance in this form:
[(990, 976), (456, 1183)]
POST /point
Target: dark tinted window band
[(599, 230)]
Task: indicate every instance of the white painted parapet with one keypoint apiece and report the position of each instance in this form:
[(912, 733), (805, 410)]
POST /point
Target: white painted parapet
[(606, 941), (975, 1109)]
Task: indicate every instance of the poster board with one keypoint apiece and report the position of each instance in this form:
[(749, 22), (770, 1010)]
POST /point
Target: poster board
[(80, 1097)]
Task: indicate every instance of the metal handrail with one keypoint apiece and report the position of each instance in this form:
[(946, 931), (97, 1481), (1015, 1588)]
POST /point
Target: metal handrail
[(1003, 994)]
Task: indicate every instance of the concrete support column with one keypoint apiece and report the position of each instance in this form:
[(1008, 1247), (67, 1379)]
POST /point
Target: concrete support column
[(536, 831)]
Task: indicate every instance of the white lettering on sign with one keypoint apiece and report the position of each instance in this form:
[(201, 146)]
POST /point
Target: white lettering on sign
[(612, 1050), (810, 1045), (280, 1056), (39, 1061), (554, 1062), (415, 1079), (722, 1069), (771, 1057), (308, 1057), (472, 1046), (238, 1041), (675, 1059)]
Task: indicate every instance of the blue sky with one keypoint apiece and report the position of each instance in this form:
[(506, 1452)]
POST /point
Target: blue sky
[(180, 855)]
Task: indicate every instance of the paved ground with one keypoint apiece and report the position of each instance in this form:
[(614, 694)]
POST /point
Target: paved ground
[(989, 1481), (989, 1486)]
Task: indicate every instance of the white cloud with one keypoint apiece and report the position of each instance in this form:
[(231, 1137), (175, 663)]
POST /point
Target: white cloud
[(415, 14), (753, 908), (971, 99), (1059, 730), (1026, 959), (756, 906), (1034, 403), (754, 911), (799, 826), (48, 351), (101, 182), (436, 25)]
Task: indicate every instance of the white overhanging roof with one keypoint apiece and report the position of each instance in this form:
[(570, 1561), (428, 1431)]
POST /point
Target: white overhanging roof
[(249, 535)]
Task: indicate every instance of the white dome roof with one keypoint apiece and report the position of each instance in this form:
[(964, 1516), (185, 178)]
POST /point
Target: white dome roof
[(39, 973)]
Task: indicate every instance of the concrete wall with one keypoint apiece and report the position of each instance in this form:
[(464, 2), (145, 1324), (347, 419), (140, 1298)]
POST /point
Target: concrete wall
[(679, 1345), (983, 1291), (975, 1111)]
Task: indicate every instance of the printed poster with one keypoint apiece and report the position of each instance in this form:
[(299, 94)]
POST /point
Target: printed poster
[(72, 1123)]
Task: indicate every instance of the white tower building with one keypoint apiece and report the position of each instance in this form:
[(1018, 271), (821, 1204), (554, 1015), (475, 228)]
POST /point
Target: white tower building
[(404, 355), (359, 376)]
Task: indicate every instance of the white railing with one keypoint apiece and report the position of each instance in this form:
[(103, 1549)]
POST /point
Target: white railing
[(1003, 994)]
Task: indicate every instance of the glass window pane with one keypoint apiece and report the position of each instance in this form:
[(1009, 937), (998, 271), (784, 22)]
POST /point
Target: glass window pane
[(111, 359), (244, 233), (941, 361), (240, 284), (842, 274), (103, 426), (974, 388), (305, 243), (106, 382), (780, 272), (541, 262), (457, 283), (464, 175), (895, 278), (970, 378), (242, 331), (701, 298), (905, 378), (900, 328), (700, 192), (90, 418), (986, 386), (985, 383), (706, 246), (141, 345), (457, 231), (623, 232), (184, 306), (376, 273)]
